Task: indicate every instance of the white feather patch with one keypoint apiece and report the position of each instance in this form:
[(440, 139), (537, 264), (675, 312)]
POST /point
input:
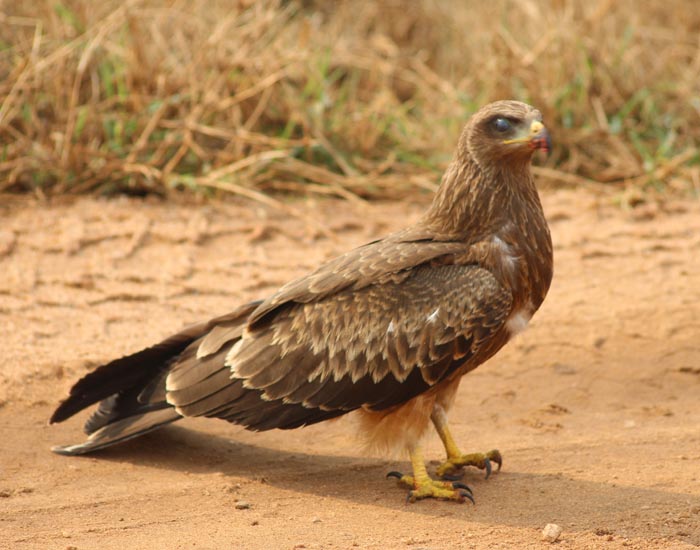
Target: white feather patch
[(518, 321), (509, 258), (433, 316)]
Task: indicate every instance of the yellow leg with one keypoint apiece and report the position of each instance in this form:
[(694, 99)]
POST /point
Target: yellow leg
[(423, 486), (456, 460)]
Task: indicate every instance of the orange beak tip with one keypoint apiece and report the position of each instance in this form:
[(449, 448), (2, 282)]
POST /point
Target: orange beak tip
[(542, 142)]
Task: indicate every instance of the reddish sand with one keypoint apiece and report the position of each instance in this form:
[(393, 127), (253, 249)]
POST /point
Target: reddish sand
[(596, 407)]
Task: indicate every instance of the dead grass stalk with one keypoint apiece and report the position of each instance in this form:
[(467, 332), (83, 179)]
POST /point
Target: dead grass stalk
[(357, 99)]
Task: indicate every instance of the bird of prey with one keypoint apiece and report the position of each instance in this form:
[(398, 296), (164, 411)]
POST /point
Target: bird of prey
[(386, 330)]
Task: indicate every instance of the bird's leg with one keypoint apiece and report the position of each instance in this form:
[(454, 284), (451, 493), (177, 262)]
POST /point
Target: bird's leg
[(456, 460), (423, 486)]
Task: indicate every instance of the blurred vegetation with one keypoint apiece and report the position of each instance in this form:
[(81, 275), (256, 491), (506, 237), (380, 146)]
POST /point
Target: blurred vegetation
[(351, 98)]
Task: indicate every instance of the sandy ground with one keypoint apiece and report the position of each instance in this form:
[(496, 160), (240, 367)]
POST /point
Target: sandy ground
[(596, 407)]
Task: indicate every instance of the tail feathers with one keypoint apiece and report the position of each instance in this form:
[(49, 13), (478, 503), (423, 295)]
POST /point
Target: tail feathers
[(131, 402), (132, 371), (123, 430), (131, 393)]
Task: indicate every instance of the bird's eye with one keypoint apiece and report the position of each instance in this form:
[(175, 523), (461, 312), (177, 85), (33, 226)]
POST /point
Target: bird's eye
[(501, 124)]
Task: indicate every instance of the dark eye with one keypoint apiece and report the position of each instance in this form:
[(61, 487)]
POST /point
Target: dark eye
[(501, 124)]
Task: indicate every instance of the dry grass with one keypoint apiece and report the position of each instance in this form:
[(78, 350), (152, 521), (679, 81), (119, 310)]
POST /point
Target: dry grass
[(356, 99)]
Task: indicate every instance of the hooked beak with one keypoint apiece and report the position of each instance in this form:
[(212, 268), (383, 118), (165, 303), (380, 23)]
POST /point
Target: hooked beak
[(537, 137)]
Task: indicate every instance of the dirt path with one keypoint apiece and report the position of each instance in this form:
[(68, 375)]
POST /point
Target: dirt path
[(596, 407)]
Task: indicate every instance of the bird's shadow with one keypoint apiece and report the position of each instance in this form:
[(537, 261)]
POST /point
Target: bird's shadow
[(507, 498)]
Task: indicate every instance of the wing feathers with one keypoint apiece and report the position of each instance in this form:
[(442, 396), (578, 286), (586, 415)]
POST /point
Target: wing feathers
[(201, 389), (358, 269), (228, 393), (226, 329), (374, 347), (287, 365)]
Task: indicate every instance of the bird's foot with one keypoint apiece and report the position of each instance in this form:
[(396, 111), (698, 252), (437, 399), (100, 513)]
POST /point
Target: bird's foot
[(451, 468), (431, 488)]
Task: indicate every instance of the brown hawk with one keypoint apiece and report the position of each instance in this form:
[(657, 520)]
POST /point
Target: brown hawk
[(386, 330)]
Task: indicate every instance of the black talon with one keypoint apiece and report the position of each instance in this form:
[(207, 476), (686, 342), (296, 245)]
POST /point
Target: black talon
[(409, 496), (453, 477), (487, 465), (394, 473), (466, 495), (462, 486)]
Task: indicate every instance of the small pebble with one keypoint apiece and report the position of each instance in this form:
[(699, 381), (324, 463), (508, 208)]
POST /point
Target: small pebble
[(242, 505), (316, 520), (551, 532)]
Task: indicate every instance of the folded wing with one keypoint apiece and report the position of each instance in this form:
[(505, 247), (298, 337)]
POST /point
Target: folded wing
[(375, 347)]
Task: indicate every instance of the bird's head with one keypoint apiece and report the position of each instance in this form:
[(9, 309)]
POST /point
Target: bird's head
[(504, 130)]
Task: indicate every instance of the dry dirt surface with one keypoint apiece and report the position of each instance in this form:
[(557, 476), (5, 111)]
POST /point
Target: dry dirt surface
[(596, 407)]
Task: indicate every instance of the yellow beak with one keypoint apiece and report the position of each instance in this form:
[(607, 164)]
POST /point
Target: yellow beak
[(537, 137)]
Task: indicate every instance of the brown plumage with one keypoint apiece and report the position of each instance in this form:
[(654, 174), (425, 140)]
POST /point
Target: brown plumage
[(388, 329)]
